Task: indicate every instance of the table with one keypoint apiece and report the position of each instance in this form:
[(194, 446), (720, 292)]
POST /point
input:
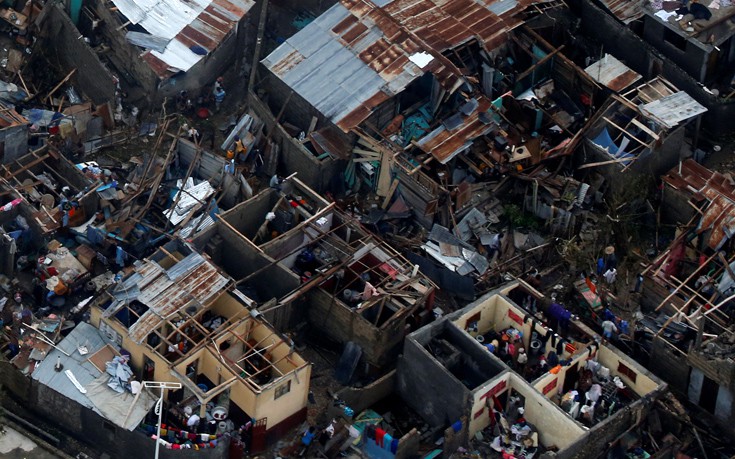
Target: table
[(14, 18)]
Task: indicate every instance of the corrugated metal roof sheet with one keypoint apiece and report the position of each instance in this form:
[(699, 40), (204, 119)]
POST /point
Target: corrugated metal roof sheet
[(700, 181), (101, 399), (185, 232), (186, 24), (719, 190), (445, 144), (357, 54), (625, 10), (192, 198), (672, 110), (83, 334), (612, 73), (193, 280)]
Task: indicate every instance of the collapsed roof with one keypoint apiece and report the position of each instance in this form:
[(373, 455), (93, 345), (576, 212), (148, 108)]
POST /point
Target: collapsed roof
[(370, 51)]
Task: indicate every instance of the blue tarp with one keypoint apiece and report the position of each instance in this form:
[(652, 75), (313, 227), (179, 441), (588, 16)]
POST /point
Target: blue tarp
[(604, 141)]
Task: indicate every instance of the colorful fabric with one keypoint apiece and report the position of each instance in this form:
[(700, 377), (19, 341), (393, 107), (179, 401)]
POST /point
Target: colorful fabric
[(387, 440), (379, 434)]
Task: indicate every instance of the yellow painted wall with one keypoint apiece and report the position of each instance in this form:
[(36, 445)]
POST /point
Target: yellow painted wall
[(545, 379), (258, 405), (276, 410), (555, 427), (479, 403), (137, 351), (494, 314), (610, 359), (244, 397)]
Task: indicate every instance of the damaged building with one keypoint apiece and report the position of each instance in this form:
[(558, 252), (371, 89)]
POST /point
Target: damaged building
[(178, 320), (688, 291), (381, 244), (461, 354), (161, 49), (353, 287)]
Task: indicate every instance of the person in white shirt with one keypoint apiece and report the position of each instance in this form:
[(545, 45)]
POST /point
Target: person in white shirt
[(193, 422), (608, 328)]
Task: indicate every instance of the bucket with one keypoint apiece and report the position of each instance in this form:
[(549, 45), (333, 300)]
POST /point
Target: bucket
[(535, 347)]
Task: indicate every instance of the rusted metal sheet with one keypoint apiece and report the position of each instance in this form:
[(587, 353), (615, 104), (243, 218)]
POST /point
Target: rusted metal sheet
[(719, 214), (188, 26), (330, 141), (384, 37), (612, 73), (444, 144), (164, 297), (625, 10), (700, 181)]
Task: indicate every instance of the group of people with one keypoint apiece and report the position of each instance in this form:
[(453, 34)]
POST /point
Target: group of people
[(310, 434), (508, 346), (185, 105)]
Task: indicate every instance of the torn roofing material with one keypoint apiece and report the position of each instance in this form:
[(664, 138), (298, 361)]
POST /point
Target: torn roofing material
[(612, 73), (359, 53), (672, 110), (719, 214), (192, 29), (192, 281), (700, 181), (125, 410), (625, 10), (444, 143)]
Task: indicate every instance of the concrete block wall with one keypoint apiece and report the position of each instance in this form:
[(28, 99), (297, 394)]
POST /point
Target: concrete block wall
[(693, 58), (250, 215), (361, 398), (596, 441), (642, 57), (670, 363), (429, 388), (379, 346), (13, 381), (315, 173), (239, 259), (15, 143), (60, 39), (124, 57), (215, 64), (722, 371)]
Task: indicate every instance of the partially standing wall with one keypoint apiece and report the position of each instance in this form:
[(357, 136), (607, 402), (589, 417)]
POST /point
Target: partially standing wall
[(61, 41)]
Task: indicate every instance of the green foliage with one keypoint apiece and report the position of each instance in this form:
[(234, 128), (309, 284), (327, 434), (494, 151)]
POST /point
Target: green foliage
[(520, 219)]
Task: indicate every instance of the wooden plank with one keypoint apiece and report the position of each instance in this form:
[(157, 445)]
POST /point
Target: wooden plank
[(390, 193), (66, 78), (362, 152), (603, 163), (312, 125), (385, 175), (626, 132), (539, 63), (645, 128), (24, 168)]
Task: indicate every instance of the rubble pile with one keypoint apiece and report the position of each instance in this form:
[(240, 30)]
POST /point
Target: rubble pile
[(393, 229)]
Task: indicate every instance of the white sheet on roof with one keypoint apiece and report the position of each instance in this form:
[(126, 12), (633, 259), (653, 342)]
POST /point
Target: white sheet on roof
[(162, 18), (178, 56)]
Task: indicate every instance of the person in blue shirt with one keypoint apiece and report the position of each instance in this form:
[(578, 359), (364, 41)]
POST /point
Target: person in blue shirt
[(219, 96), (306, 439)]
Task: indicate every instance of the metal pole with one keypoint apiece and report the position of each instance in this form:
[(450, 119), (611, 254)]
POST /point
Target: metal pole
[(160, 417)]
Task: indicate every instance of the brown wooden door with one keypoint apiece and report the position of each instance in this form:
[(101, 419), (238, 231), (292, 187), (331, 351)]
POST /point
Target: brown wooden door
[(259, 444)]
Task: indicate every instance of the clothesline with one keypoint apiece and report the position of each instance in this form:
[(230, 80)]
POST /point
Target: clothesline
[(193, 440)]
